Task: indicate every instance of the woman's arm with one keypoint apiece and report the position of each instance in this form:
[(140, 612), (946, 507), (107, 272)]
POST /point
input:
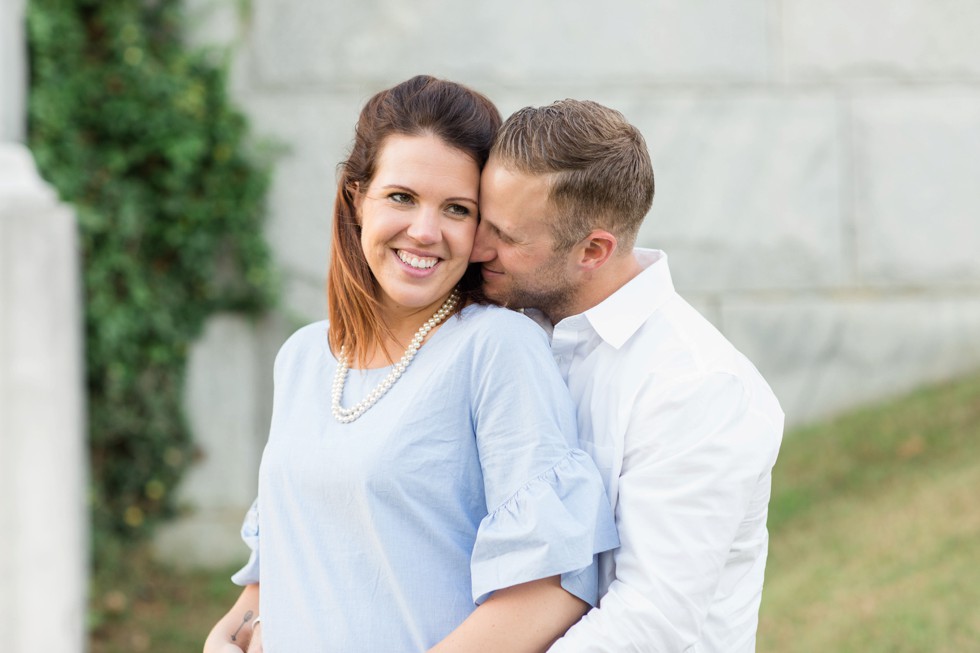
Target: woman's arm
[(233, 631), (525, 618)]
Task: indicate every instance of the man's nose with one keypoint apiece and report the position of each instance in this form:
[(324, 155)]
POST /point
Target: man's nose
[(482, 251)]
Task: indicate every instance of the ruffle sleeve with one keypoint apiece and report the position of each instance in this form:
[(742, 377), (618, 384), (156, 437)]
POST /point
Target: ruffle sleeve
[(554, 524), (250, 534)]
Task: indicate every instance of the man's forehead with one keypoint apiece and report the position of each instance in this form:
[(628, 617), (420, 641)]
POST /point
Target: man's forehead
[(514, 200), (508, 173)]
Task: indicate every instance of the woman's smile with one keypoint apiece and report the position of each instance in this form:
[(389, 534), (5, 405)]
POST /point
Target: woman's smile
[(417, 261)]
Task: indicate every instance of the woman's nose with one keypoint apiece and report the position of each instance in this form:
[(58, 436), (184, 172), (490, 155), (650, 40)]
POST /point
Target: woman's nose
[(425, 227)]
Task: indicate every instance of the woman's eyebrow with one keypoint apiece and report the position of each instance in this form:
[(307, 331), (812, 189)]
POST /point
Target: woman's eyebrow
[(462, 199), (398, 187)]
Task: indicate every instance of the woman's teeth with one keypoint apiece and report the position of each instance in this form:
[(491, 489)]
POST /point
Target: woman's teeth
[(419, 262)]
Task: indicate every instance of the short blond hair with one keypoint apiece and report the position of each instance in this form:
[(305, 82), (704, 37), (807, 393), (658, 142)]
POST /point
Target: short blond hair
[(600, 170)]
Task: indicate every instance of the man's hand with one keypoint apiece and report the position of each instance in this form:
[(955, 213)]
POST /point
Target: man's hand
[(255, 645)]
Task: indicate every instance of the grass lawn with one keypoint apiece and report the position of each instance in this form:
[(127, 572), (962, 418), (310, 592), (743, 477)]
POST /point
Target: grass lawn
[(875, 530), (875, 544)]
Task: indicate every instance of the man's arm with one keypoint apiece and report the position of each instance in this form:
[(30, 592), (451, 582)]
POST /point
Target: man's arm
[(696, 463)]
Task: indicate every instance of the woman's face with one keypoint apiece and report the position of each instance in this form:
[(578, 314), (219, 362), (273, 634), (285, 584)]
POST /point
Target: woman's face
[(418, 218)]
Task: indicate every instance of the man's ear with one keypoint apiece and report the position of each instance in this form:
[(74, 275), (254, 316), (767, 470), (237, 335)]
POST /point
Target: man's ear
[(596, 249)]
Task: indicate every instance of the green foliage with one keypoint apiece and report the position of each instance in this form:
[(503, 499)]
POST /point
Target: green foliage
[(136, 130)]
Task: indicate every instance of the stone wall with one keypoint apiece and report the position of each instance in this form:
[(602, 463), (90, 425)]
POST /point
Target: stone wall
[(816, 162), (44, 546)]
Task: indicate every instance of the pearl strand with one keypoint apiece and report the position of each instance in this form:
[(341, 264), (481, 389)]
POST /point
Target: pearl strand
[(348, 415)]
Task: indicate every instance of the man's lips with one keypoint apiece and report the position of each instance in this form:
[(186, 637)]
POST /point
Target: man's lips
[(490, 272)]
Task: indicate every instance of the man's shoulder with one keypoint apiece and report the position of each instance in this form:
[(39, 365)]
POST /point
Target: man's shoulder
[(680, 345), (676, 342), (675, 328), (652, 332)]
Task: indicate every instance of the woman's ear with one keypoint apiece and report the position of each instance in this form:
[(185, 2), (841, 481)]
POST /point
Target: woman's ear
[(357, 197)]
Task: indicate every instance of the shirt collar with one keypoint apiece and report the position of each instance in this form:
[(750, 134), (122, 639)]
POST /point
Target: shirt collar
[(620, 315), (540, 318)]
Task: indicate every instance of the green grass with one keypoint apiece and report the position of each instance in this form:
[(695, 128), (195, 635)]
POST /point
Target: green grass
[(875, 530), (875, 543)]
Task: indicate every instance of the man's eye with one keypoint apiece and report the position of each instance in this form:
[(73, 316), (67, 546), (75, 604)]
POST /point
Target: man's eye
[(457, 210), (504, 238)]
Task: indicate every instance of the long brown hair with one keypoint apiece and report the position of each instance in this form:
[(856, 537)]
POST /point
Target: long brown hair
[(461, 118)]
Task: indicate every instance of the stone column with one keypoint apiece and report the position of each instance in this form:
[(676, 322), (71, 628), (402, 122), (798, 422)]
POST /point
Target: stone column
[(12, 70), (44, 547)]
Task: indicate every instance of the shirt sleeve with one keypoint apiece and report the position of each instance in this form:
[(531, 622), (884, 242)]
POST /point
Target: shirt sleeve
[(697, 459), (250, 525), (250, 534), (547, 509)]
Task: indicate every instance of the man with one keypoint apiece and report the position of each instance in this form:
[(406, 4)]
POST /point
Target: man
[(682, 426)]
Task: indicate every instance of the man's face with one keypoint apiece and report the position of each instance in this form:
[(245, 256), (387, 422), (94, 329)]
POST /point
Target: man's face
[(515, 244)]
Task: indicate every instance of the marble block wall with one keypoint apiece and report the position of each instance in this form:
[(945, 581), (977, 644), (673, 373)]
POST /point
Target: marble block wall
[(44, 546), (816, 163)]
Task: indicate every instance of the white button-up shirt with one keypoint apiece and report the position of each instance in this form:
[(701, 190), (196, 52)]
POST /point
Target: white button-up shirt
[(685, 432)]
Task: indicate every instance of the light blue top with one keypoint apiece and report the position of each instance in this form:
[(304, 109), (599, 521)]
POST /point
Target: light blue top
[(383, 534)]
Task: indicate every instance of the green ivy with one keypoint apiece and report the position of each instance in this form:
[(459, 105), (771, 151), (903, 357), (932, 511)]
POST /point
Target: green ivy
[(136, 130)]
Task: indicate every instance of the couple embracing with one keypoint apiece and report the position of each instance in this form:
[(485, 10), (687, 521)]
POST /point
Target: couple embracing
[(444, 473)]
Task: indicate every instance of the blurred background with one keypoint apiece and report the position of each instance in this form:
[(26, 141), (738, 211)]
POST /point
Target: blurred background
[(167, 173)]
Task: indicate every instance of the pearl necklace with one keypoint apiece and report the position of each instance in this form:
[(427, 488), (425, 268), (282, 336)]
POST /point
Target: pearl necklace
[(348, 415)]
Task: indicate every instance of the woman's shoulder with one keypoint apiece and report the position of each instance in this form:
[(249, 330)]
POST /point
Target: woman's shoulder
[(311, 338), (492, 324), (307, 334), (491, 317), (495, 313)]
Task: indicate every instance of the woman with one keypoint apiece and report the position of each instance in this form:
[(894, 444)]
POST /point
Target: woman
[(396, 498)]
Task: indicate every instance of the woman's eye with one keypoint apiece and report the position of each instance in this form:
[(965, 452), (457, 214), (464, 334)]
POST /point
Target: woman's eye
[(400, 198), (457, 210)]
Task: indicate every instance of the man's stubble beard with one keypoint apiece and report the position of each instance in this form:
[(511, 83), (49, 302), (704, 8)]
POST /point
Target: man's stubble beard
[(551, 293)]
